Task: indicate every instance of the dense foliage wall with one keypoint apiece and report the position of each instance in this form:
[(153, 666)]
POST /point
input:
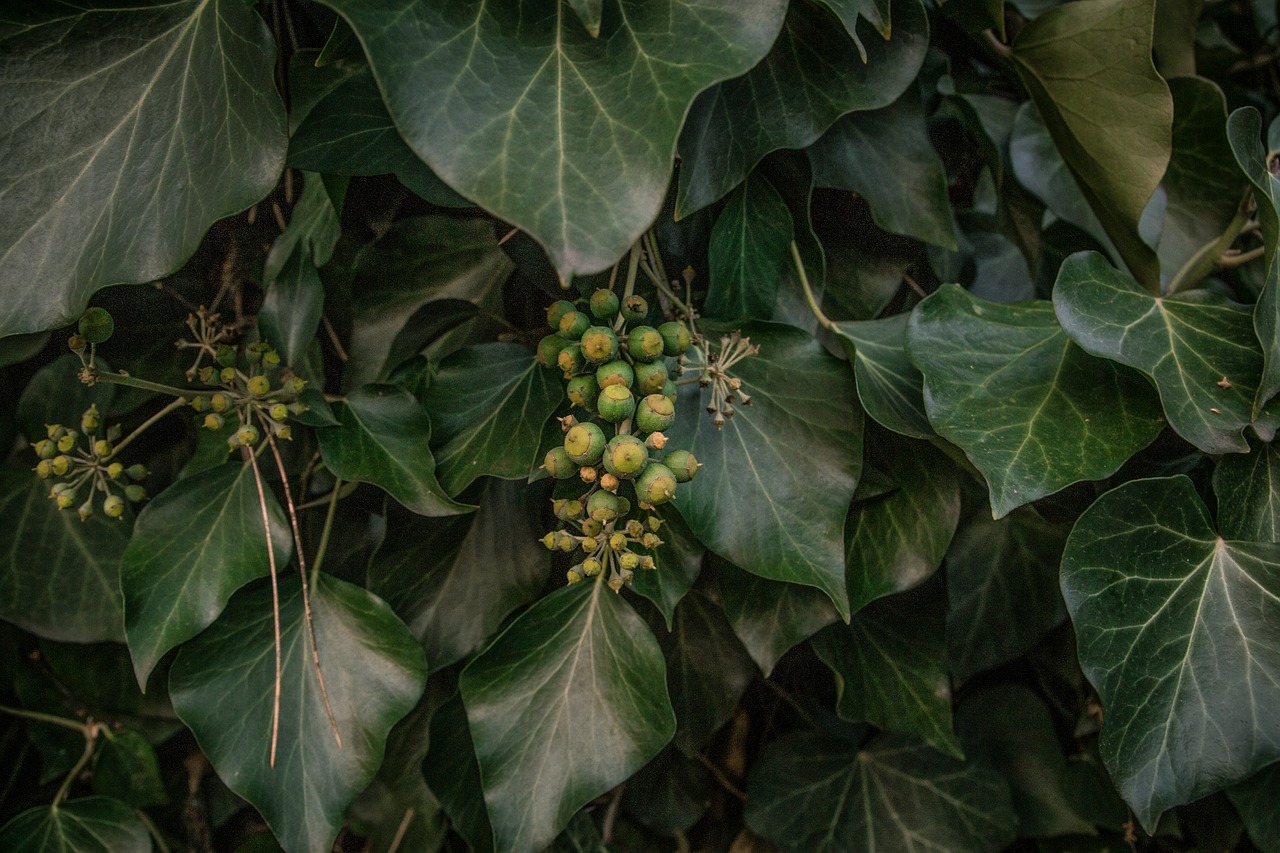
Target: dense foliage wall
[(826, 425)]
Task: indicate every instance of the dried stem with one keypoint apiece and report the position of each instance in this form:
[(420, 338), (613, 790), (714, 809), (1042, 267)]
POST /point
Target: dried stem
[(275, 599)]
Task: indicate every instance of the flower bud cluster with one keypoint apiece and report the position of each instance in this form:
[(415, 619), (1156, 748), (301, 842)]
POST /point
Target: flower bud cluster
[(83, 466), (248, 394)]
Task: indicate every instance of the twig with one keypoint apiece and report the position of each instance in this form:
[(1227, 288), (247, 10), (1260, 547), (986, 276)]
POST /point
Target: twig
[(324, 533), (401, 830), (275, 599), (823, 319), (513, 232), (90, 730), (611, 814), (333, 339), (145, 425), (1229, 261), (42, 717)]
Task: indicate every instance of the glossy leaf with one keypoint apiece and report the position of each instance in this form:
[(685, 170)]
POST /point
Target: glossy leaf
[(577, 668), (770, 617), (1255, 800), (568, 137), (890, 664), (812, 75), (1198, 349), (453, 580), (813, 793), (381, 438), (59, 576), (670, 793), (890, 386), (55, 395), (1177, 630), (750, 247), (194, 545), (679, 562), (127, 769), (1032, 411), (104, 111), (454, 776), (87, 825), (1089, 70), (1247, 487), (787, 511), (291, 310), (488, 404), (373, 674)]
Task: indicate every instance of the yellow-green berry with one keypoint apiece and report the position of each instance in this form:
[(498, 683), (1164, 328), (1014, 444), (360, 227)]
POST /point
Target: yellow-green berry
[(618, 542), (246, 436), (629, 561), (616, 372), (227, 375), (102, 447), (675, 339), (582, 391), (279, 412), (570, 359), (591, 527), (605, 304), (573, 325), (137, 471), (68, 442), (219, 402), (61, 465), (603, 506), (599, 344), (591, 567), (644, 343), (65, 500), (558, 464), (635, 308), (615, 403), (225, 356), (656, 485), (200, 403), (682, 464), (655, 413), (556, 312), (135, 493), (589, 544), (549, 349), (585, 443), (625, 456), (44, 469), (258, 385), (90, 420), (572, 576), (113, 506), (114, 470)]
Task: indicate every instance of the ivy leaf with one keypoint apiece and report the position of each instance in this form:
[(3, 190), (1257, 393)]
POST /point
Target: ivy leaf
[(55, 395), (890, 387), (589, 12), (59, 576), (381, 438), (895, 542), (1089, 70), (1244, 131), (1255, 800), (373, 671), (679, 561), (104, 109), (194, 545), (812, 75), (749, 250), (291, 311), (670, 793), (1198, 348), (814, 793), (1247, 487), (858, 151), (86, 825), (770, 617), (454, 776), (1032, 411), (488, 404), (579, 666), (572, 141), (1002, 580), (788, 509), (890, 664), (126, 768), (313, 231), (453, 580), (1177, 631)]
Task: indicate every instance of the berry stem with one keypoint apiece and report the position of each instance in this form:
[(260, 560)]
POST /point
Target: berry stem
[(324, 533), (41, 717), (133, 382), (823, 319), (145, 425), (90, 730)]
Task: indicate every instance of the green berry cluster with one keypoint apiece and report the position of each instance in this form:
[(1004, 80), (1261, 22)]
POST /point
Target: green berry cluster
[(617, 372), (85, 459), (248, 394)]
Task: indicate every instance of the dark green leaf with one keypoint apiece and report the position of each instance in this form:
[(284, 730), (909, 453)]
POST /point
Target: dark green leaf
[(811, 77), (890, 664), (768, 616), (1248, 490), (127, 769), (566, 136), (382, 438), (670, 793), (313, 231), (790, 461), (105, 111), (707, 670), (750, 247), (60, 576), (55, 395), (890, 387), (1198, 349), (453, 580), (1002, 579), (1089, 70), (1255, 800), (1177, 631), (373, 674), (1031, 410), (291, 310), (488, 404), (88, 825), (194, 545), (895, 542), (861, 149), (578, 664), (427, 325), (679, 560), (454, 776), (589, 12), (812, 793)]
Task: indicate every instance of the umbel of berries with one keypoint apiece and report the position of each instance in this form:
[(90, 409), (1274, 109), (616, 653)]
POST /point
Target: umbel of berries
[(614, 458)]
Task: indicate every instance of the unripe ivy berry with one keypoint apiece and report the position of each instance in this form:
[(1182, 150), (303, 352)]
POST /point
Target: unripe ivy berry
[(549, 540), (67, 443), (55, 431), (556, 312), (644, 343), (603, 506), (573, 325), (219, 402), (585, 443), (624, 506), (206, 374), (648, 564), (61, 465), (558, 464), (85, 510), (650, 541), (634, 528), (573, 508), (102, 447), (212, 421), (549, 349), (591, 567), (199, 403), (279, 412), (618, 542), (44, 469), (565, 543), (135, 493), (589, 544), (616, 372), (654, 523), (573, 577), (675, 338), (114, 470), (246, 436), (90, 420), (599, 344), (656, 485), (605, 304), (77, 344), (655, 413), (625, 456), (669, 391), (591, 527), (682, 465), (137, 471), (259, 385), (571, 359), (582, 391), (253, 354), (635, 308), (615, 403), (65, 500), (113, 506), (227, 375), (296, 384), (225, 356), (271, 358), (45, 448), (629, 561), (96, 325)]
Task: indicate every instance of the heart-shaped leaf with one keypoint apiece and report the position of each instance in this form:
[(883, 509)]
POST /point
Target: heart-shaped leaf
[(454, 776), (1032, 411), (373, 674), (812, 75), (194, 545), (1247, 487), (812, 793), (382, 438), (770, 617), (488, 404), (127, 769), (787, 510), (572, 139), (88, 825), (1177, 630), (59, 576), (890, 387), (453, 580), (679, 561), (1088, 68), (1198, 348), (104, 109), (750, 247), (566, 703)]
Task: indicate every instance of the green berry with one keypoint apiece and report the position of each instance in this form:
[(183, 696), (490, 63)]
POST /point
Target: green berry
[(675, 338), (67, 442), (65, 500), (591, 527), (206, 375), (591, 567), (549, 540), (246, 436), (279, 412), (225, 356), (212, 421), (558, 464), (96, 325), (296, 384), (655, 413), (227, 375), (102, 447), (570, 359), (573, 509), (635, 528), (656, 485), (253, 353), (60, 465), (90, 420), (603, 506), (549, 349), (585, 443), (85, 510), (589, 544), (618, 542), (682, 464), (219, 402), (615, 403), (115, 470), (625, 456), (599, 344), (135, 493), (669, 390), (582, 391), (650, 541), (199, 403), (624, 506), (644, 343), (635, 308), (44, 469), (113, 506), (45, 448), (573, 577), (271, 358), (259, 385), (605, 304), (557, 311), (616, 372), (137, 472), (629, 561), (651, 377), (573, 325), (55, 431)]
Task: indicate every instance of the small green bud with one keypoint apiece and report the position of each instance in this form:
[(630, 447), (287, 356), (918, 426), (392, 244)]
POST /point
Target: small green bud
[(296, 384), (253, 354), (137, 471), (135, 493), (86, 509), (570, 359), (90, 420), (199, 403), (212, 421), (557, 311), (219, 402), (599, 344), (55, 431), (114, 470), (549, 540), (225, 356), (682, 464), (625, 456), (60, 465), (113, 506), (582, 391), (654, 523), (65, 500), (77, 344), (206, 375), (271, 358), (591, 567), (634, 528), (650, 541), (45, 448), (246, 436), (675, 339), (635, 308), (610, 483), (259, 385), (573, 508), (629, 561), (572, 576), (603, 506), (651, 377), (616, 372), (655, 413), (96, 325), (102, 447), (585, 443), (558, 464), (589, 544), (605, 304), (44, 469), (591, 527), (565, 543), (549, 349), (616, 403), (644, 343), (618, 542), (227, 375), (67, 443), (573, 325), (279, 412)]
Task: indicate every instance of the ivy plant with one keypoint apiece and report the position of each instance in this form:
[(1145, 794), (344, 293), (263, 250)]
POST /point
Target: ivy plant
[(639, 425)]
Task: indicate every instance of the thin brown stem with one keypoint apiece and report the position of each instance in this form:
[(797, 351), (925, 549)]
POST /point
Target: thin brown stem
[(998, 47), (401, 830), (505, 237), (1231, 261), (275, 600), (338, 348)]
